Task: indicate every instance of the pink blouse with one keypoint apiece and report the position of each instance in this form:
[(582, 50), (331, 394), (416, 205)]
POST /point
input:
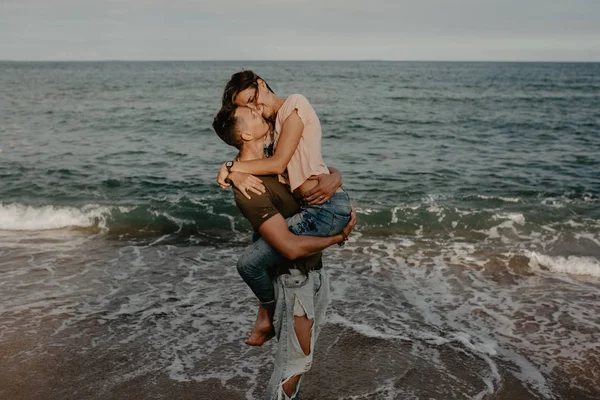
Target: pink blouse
[(307, 159)]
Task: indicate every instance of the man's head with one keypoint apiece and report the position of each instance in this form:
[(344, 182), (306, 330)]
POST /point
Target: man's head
[(237, 125)]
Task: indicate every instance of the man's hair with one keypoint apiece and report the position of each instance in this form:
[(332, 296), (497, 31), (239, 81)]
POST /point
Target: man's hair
[(239, 82), (226, 125)]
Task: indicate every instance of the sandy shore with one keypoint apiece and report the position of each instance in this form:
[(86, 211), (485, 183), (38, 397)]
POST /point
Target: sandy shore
[(347, 365), (167, 322)]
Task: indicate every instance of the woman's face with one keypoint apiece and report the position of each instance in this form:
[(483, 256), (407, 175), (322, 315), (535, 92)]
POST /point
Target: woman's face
[(256, 98)]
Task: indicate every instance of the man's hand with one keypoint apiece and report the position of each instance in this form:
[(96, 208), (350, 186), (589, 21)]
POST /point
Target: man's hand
[(348, 228), (326, 187), (222, 177), (245, 182)]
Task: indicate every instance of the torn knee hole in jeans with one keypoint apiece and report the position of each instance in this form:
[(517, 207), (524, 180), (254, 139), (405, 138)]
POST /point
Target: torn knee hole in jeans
[(288, 386), (303, 329)]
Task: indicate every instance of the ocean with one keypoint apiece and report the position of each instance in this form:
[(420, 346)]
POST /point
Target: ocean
[(473, 272)]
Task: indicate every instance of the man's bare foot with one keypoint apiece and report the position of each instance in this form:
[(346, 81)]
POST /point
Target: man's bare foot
[(257, 338), (262, 330)]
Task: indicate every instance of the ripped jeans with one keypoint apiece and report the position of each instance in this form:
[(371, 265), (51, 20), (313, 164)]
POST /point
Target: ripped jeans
[(327, 219), (312, 291)]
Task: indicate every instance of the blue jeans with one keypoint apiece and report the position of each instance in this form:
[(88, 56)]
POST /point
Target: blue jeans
[(326, 219), (290, 360)]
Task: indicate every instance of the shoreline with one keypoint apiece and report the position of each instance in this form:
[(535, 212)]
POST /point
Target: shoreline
[(346, 364)]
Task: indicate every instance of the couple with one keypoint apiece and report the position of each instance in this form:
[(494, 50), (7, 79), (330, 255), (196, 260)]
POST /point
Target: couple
[(297, 209)]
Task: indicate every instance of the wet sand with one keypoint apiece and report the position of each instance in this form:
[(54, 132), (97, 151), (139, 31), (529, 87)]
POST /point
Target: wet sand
[(93, 319), (347, 365)]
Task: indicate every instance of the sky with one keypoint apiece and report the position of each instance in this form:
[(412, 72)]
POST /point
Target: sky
[(444, 30)]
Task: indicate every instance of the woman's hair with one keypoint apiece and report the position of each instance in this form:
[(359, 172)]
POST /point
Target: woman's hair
[(238, 82)]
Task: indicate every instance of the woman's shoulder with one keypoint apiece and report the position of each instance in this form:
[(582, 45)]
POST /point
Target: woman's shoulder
[(296, 102), (296, 99)]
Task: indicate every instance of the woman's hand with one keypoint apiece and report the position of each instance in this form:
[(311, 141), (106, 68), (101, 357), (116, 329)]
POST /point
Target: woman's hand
[(328, 184), (222, 177), (245, 182)]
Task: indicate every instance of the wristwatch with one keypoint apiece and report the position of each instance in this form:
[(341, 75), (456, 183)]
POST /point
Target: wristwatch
[(228, 165)]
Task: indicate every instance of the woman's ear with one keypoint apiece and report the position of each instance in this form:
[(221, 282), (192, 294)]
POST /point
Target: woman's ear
[(261, 83)]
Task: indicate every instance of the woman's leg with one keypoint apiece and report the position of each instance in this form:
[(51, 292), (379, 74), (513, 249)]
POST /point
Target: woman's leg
[(327, 219)]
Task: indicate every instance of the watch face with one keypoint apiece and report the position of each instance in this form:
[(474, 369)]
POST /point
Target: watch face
[(229, 164)]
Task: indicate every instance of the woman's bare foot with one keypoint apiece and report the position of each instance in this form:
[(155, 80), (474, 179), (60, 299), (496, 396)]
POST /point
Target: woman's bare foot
[(262, 330)]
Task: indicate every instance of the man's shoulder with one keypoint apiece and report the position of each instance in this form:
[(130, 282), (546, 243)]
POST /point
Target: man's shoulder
[(254, 200), (271, 184), (258, 208)]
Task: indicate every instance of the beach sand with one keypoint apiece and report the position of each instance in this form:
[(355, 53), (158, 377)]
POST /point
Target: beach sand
[(347, 365), (93, 319)]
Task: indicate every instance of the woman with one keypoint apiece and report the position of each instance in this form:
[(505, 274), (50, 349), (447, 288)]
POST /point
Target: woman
[(295, 155)]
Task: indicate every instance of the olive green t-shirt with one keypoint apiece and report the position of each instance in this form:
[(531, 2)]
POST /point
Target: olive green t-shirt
[(276, 200)]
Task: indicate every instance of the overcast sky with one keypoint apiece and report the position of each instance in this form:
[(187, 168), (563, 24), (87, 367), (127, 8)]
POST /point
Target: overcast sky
[(540, 30)]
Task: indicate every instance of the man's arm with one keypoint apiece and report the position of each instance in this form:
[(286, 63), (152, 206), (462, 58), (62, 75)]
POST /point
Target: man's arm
[(275, 231)]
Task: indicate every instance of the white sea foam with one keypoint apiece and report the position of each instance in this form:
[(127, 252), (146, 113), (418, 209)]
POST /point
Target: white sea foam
[(554, 202), (505, 199), (20, 217), (565, 265), (510, 219), (192, 314), (589, 236), (395, 215), (434, 209), (514, 217), (364, 329), (365, 211)]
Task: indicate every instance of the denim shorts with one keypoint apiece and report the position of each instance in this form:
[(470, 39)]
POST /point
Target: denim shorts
[(326, 219)]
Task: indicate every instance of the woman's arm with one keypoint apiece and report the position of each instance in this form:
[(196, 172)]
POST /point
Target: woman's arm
[(291, 132)]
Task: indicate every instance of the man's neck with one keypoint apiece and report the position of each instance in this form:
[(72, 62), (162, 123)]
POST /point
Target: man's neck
[(254, 150)]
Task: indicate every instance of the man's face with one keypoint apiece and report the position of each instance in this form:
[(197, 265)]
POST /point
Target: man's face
[(251, 121)]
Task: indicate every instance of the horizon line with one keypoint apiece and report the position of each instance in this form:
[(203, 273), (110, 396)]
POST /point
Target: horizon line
[(315, 60)]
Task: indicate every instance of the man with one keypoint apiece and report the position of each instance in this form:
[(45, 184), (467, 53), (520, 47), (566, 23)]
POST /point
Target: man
[(301, 286)]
